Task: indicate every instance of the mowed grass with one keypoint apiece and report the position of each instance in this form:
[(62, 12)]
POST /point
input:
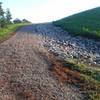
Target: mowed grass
[(9, 30), (86, 23)]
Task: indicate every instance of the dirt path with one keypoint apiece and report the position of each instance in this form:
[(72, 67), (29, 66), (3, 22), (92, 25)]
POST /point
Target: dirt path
[(24, 70)]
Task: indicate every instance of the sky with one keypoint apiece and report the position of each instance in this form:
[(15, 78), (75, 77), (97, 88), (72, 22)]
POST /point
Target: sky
[(38, 11)]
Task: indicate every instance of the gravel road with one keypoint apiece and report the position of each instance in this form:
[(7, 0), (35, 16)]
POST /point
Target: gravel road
[(24, 68)]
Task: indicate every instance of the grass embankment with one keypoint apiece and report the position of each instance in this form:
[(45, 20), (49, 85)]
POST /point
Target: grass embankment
[(9, 30), (86, 23), (88, 79)]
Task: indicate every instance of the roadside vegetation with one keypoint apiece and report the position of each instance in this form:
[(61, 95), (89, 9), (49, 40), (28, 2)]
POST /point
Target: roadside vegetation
[(89, 78), (8, 31), (7, 27), (84, 77), (86, 23)]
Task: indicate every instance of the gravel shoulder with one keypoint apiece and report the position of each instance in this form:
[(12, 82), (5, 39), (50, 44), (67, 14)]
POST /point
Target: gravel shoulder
[(66, 46), (24, 68)]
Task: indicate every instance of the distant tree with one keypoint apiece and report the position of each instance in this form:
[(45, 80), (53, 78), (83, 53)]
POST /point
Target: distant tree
[(2, 18), (3, 22), (8, 16), (17, 20), (1, 10)]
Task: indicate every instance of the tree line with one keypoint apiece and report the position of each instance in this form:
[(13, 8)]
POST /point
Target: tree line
[(5, 17)]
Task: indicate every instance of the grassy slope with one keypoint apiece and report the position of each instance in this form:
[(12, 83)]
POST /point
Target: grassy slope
[(86, 23), (7, 32)]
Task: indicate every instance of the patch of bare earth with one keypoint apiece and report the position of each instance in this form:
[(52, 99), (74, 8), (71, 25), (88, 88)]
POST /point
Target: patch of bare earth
[(25, 74)]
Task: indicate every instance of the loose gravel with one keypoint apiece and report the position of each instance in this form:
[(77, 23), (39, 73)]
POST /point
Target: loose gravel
[(24, 73), (67, 46)]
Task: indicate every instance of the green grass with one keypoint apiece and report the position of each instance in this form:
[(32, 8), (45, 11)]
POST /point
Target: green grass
[(89, 76), (6, 32), (86, 23)]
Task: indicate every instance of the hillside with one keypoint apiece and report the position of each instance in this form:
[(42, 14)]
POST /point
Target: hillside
[(86, 23)]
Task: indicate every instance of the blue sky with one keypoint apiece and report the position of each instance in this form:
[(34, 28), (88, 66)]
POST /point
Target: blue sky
[(47, 10)]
